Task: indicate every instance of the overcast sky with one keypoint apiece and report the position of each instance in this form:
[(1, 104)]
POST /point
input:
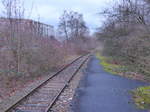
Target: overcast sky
[(49, 11)]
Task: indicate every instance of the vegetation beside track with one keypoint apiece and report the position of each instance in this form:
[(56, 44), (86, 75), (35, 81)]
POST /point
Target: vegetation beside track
[(141, 97), (110, 66)]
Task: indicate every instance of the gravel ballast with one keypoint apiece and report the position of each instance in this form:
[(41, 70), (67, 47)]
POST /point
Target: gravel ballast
[(9, 102), (64, 102)]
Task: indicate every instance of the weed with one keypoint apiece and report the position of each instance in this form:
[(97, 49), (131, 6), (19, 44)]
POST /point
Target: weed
[(110, 67), (141, 97)]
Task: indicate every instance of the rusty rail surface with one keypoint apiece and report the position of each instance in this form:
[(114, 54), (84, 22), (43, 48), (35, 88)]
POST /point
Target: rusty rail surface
[(51, 89)]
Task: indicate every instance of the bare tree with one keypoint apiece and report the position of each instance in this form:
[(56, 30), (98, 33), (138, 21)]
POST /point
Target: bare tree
[(8, 5), (72, 25), (63, 27), (126, 34), (14, 11)]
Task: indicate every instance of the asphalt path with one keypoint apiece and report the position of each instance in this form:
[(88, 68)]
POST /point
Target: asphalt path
[(100, 91)]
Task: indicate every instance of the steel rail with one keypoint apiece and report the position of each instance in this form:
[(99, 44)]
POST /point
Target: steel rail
[(54, 75), (67, 83)]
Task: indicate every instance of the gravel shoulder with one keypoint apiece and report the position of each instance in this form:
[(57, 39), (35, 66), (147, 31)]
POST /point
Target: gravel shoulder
[(65, 100)]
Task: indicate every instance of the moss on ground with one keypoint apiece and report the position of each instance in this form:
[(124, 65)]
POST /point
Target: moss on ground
[(109, 67), (141, 97)]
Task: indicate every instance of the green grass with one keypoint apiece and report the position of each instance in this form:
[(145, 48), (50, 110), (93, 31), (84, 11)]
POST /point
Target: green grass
[(141, 97), (108, 66)]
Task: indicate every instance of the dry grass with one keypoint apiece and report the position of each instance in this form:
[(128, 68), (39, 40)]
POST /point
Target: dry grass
[(9, 84)]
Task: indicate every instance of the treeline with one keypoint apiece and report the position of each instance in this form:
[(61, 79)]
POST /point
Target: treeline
[(26, 46), (29, 49), (126, 34), (75, 32)]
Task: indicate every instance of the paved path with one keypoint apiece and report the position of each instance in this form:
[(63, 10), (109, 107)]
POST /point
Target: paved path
[(103, 92)]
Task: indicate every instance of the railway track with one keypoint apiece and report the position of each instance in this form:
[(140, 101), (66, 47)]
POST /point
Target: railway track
[(42, 98)]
